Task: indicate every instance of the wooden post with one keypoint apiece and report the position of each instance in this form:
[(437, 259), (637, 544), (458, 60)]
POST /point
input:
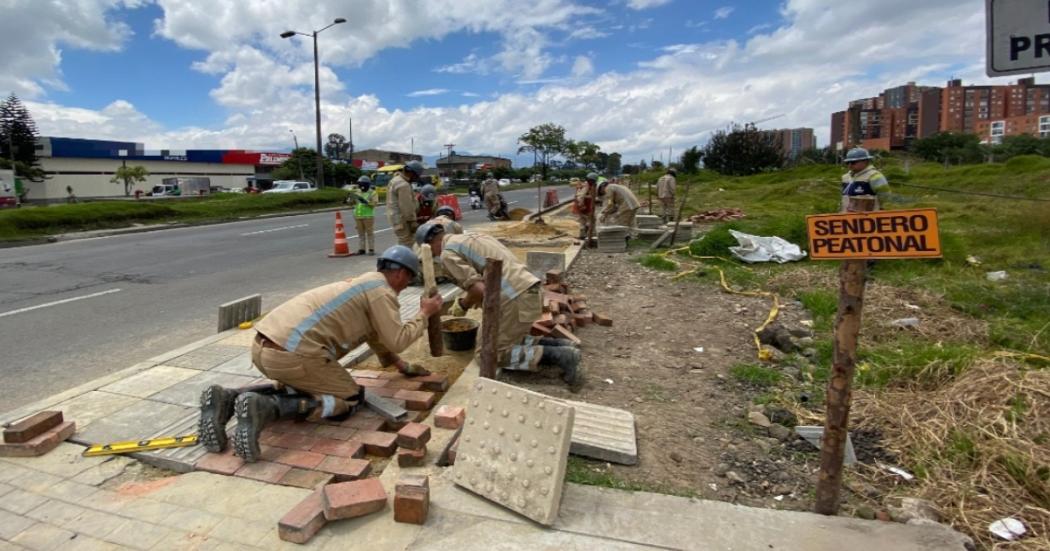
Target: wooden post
[(681, 209), (490, 317), (847, 328), (426, 258), (650, 197), (591, 230)]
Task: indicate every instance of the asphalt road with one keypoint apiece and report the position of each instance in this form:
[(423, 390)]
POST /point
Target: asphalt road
[(74, 311)]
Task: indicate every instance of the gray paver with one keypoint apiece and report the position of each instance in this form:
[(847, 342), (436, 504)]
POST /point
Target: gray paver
[(244, 532), (94, 523), (88, 407), (138, 535), (206, 357), (56, 512), (88, 543), (65, 460), (514, 448), (541, 262), (140, 419), (150, 381), (113, 466), (188, 393), (239, 365), (70, 492), (20, 501), (43, 537), (11, 524), (604, 433), (35, 481)]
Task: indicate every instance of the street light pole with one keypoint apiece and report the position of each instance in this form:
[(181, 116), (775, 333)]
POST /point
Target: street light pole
[(317, 94), (298, 162)]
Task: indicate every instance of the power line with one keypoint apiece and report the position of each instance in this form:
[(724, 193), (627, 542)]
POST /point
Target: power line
[(996, 195)]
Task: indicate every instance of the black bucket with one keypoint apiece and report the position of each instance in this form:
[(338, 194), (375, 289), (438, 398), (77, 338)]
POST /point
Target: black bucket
[(459, 334)]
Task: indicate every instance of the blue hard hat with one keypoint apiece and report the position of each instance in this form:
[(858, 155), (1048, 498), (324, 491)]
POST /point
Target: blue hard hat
[(427, 232), (858, 154), (415, 167), (400, 255)]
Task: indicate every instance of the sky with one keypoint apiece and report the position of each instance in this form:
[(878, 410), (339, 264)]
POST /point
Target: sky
[(634, 76)]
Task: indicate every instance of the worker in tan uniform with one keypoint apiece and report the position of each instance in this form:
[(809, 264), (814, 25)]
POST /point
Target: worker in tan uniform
[(490, 194), (299, 344), (464, 258), (584, 203), (401, 204), (620, 205), (446, 216), (665, 190)]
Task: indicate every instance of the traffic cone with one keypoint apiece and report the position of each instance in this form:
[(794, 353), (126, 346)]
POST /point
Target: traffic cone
[(340, 247)]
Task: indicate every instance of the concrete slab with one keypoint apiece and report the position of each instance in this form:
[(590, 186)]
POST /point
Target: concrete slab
[(188, 393), (604, 433), (151, 381), (242, 338), (65, 461), (180, 460), (88, 407), (514, 448), (140, 419), (238, 365), (541, 262), (206, 357)]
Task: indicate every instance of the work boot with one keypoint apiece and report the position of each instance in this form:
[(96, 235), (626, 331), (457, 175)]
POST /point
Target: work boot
[(554, 341), (255, 411), (568, 359), (216, 410), (360, 251)]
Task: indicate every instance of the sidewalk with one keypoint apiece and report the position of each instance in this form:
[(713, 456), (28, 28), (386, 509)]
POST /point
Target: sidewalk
[(65, 501)]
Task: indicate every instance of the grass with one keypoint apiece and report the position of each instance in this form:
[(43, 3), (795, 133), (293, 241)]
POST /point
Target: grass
[(756, 375), (29, 222), (597, 473), (658, 262)]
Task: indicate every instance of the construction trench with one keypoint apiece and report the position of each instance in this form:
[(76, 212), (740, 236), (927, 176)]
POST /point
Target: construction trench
[(655, 414)]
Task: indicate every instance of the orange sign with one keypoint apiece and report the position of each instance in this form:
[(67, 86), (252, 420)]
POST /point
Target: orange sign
[(909, 233)]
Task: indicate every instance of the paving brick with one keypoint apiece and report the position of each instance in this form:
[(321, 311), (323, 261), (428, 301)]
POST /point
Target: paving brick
[(435, 382), (371, 383), (306, 478), (416, 399), (344, 468), (220, 463), (449, 417), (334, 433), (367, 373), (384, 391), (20, 501), (295, 441), (383, 444), (602, 320), (269, 438), (11, 525), (364, 420), (340, 448), (304, 520), (582, 319), (546, 320), (136, 534), (411, 458), (40, 444), (408, 384), (43, 536), (294, 427), (538, 330), (553, 276), (411, 504), (265, 471), (353, 499), (32, 426), (299, 458), (563, 333), (413, 436)]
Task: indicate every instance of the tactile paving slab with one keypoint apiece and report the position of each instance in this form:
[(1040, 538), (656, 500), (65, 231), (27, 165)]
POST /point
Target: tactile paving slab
[(604, 433), (514, 449)]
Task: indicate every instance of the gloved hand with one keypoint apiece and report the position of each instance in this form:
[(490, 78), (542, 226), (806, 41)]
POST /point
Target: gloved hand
[(457, 310)]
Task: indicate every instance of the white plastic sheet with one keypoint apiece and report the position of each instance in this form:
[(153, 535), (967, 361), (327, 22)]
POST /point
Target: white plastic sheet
[(754, 248)]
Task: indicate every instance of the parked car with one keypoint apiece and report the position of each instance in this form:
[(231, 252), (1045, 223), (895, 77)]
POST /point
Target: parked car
[(504, 182), (291, 186)]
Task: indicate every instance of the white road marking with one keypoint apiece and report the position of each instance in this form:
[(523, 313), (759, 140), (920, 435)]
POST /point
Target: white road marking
[(57, 302), (275, 229)]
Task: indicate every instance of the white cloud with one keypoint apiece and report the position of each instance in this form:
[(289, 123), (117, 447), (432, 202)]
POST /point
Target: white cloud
[(470, 64), (645, 4), (582, 67), (759, 27), (723, 12), (470, 95), (427, 92), (587, 33)]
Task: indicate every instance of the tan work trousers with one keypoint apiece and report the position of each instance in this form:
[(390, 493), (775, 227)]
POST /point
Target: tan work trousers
[(668, 208), (515, 321), (310, 374), (406, 234), (623, 217), (366, 233)]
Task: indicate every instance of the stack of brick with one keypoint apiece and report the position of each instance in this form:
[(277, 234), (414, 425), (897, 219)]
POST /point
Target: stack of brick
[(36, 435), (332, 502), (564, 312), (613, 239), (412, 444), (412, 499)]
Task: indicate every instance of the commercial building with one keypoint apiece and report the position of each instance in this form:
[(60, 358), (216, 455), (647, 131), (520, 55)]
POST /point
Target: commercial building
[(371, 159), (793, 141), (87, 166), (468, 164), (899, 115)]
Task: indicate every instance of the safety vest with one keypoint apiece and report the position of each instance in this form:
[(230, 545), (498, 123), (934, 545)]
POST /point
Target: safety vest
[(366, 209)]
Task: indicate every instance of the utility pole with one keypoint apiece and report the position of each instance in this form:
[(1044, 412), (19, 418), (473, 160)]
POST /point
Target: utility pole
[(350, 139), (412, 149), (298, 161), (448, 159)]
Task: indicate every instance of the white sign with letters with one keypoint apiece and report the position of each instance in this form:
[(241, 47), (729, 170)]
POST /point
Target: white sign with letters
[(1018, 36)]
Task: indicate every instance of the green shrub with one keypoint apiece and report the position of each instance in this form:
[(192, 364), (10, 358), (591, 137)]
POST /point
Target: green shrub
[(85, 215), (658, 262), (755, 374)]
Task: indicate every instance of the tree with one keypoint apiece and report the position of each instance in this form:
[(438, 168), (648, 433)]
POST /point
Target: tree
[(657, 165), (613, 166), (18, 135), (337, 146), (691, 160), (129, 175), (642, 167), (947, 146), (546, 141), (743, 150)]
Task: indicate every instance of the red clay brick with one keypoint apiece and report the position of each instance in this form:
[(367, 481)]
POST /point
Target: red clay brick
[(602, 320), (345, 469), (582, 319), (413, 436), (268, 438), (564, 333), (340, 448), (408, 384), (449, 417), (300, 458), (353, 499), (361, 421), (367, 373), (385, 392), (296, 441), (546, 320), (452, 452), (40, 444), (290, 426), (334, 433), (220, 463), (538, 330), (265, 471), (411, 504), (370, 383), (416, 399), (305, 478), (411, 458), (29, 428), (304, 520), (435, 382), (553, 276), (382, 444)]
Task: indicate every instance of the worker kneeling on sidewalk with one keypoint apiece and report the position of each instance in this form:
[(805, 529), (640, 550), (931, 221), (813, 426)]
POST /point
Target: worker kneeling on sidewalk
[(299, 344), (464, 258)]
